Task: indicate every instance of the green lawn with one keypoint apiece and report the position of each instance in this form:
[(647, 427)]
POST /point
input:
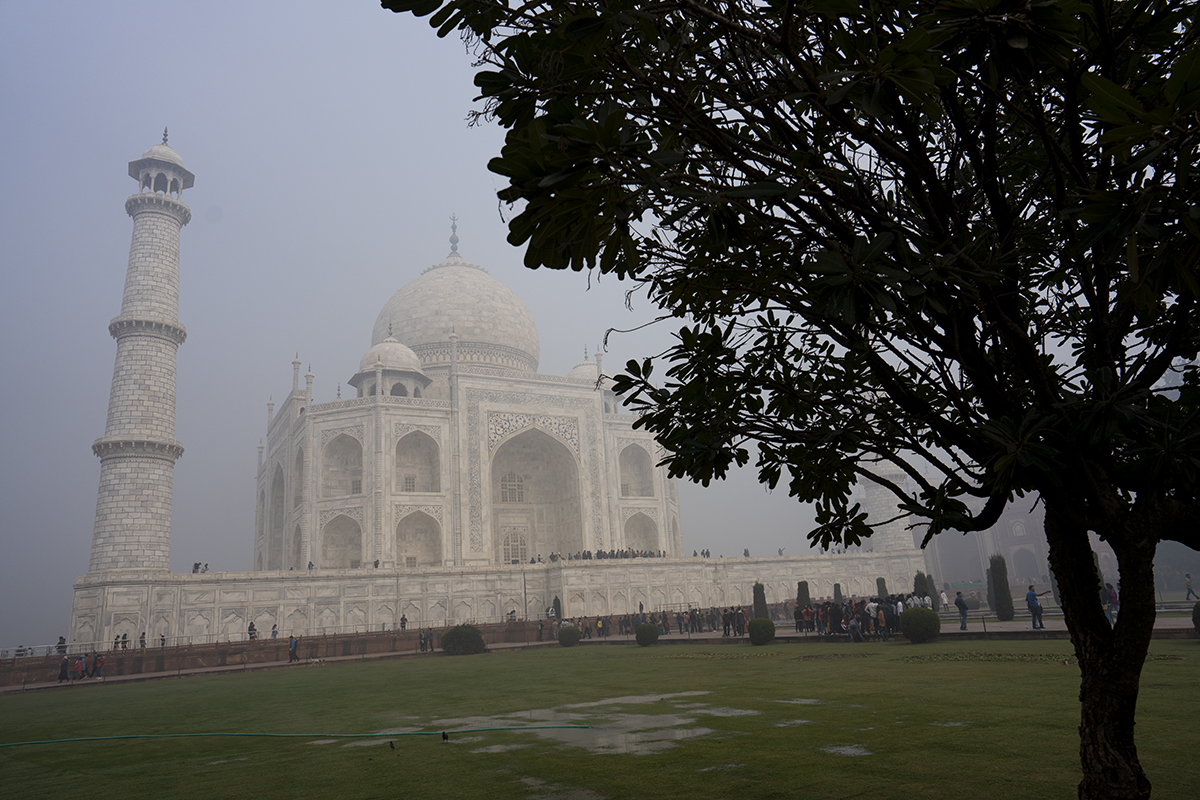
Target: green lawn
[(877, 721)]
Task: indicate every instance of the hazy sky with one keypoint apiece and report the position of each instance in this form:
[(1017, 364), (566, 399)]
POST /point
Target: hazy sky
[(330, 147)]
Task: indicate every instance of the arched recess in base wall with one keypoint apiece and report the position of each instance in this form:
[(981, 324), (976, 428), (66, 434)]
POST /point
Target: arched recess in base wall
[(418, 541), (641, 533), (341, 544)]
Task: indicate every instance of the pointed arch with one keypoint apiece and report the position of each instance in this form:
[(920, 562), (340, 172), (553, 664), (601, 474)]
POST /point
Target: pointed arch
[(341, 467), (418, 464), (298, 479), (637, 472), (535, 495), (418, 541), (641, 533), (341, 543), (274, 555)]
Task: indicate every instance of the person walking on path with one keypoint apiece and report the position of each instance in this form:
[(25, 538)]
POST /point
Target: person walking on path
[(961, 605), (292, 650), (1187, 580), (945, 601), (64, 670), (1035, 608)]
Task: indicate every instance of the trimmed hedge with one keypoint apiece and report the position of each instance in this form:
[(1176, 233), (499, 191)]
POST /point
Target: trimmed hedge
[(647, 634), (463, 640), (972, 603), (920, 625), (1196, 617), (569, 635), (762, 630)]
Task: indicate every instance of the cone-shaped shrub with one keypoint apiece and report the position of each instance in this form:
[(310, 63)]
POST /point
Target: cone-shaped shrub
[(762, 630)]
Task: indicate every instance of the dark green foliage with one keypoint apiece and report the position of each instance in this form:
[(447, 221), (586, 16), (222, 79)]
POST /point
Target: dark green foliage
[(931, 586), (920, 625), (837, 593), (760, 601), (762, 630), (802, 596), (1054, 588), (953, 241), (881, 588), (568, 635), (1000, 598), (972, 602), (463, 640), (1196, 617), (919, 588), (646, 634)]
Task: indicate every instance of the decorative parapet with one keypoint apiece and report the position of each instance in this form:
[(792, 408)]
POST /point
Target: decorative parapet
[(158, 202), (137, 326), (163, 450)]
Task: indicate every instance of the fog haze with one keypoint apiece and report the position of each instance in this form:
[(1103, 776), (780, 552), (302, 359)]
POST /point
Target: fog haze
[(330, 148)]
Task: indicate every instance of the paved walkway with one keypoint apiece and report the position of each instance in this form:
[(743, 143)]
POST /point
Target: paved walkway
[(1164, 627)]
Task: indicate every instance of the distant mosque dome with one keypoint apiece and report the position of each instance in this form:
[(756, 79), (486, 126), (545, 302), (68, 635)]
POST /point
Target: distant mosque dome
[(494, 328)]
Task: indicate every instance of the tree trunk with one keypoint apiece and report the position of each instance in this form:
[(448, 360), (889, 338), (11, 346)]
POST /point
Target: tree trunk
[(1110, 658)]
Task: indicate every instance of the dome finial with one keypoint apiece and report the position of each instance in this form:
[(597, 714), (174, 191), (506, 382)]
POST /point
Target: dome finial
[(164, 135), (339, 392), (453, 233), (389, 329), (585, 355)]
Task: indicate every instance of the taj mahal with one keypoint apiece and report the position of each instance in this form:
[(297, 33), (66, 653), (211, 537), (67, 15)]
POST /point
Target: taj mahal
[(452, 483)]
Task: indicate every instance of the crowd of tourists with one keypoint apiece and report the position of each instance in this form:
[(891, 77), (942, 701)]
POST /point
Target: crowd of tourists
[(859, 619), (589, 555)]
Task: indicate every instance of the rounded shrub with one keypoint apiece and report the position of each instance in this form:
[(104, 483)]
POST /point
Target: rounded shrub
[(972, 603), (920, 625), (762, 630), (647, 634), (1196, 617), (568, 635), (463, 640)]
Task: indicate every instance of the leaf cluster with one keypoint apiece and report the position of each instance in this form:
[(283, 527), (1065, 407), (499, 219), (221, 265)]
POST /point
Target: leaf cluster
[(947, 248)]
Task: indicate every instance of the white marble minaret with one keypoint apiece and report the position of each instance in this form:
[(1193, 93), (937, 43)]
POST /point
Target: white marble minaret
[(138, 450)]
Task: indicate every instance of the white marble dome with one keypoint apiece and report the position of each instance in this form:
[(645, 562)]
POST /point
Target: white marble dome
[(163, 153), (493, 326), (584, 371), (393, 355)]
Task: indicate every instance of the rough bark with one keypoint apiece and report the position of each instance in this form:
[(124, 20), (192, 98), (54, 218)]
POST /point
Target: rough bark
[(1110, 658)]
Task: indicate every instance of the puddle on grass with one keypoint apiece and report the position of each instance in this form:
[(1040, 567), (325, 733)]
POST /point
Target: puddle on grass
[(801, 701), (721, 767), (556, 791), (613, 727), (727, 712), (791, 723), (949, 724), (499, 748), (847, 750)]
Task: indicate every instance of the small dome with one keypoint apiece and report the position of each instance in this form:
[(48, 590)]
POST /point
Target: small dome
[(163, 153), (393, 356), (585, 371)]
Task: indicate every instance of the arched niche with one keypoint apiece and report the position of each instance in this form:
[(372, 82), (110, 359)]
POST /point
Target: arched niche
[(418, 464), (637, 473), (641, 533), (399, 389), (298, 479), (341, 543), (418, 541), (341, 467), (535, 494), (274, 559), (1025, 566)]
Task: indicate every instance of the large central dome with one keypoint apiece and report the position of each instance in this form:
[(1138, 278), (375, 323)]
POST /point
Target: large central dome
[(493, 326)]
